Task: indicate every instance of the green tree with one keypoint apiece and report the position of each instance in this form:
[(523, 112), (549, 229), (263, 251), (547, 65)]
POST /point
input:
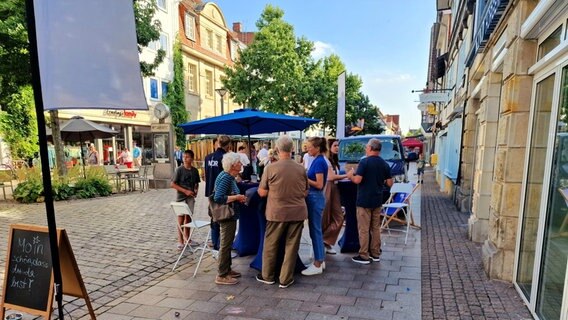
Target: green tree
[(273, 73), (19, 125), (326, 107), (147, 30), (370, 113), (175, 98)]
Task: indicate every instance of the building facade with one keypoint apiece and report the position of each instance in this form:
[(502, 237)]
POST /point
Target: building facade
[(208, 46), (513, 140)]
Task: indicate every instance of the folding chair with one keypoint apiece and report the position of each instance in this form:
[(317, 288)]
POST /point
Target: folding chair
[(399, 202), (182, 209)]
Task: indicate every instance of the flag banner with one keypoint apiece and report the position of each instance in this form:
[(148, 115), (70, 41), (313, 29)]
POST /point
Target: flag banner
[(88, 55), (340, 130)]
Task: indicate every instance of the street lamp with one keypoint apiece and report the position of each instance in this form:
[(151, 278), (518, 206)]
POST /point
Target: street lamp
[(221, 92)]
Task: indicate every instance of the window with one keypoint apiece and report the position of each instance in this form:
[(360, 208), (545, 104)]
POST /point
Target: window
[(190, 26), (219, 44), (164, 89), (164, 42), (549, 43), (154, 89), (209, 83), (210, 39), (161, 4), (191, 77), (234, 48)]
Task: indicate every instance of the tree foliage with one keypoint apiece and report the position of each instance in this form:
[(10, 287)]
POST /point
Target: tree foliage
[(18, 126), (175, 98), (14, 55), (277, 73), (273, 73), (147, 30)]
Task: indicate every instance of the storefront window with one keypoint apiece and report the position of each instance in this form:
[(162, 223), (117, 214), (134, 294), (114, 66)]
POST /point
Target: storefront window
[(555, 244), (532, 201)]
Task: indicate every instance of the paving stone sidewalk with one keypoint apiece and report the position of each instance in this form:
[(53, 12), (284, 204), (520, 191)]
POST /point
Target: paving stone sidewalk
[(454, 284), (125, 248)]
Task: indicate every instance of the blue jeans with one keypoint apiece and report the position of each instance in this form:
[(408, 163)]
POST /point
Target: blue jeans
[(316, 204)]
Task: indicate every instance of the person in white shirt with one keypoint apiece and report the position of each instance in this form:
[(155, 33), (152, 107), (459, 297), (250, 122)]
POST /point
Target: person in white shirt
[(307, 161), (262, 157), (244, 158)]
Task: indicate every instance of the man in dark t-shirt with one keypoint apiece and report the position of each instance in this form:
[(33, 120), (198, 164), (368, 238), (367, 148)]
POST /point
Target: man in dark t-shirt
[(186, 182), (373, 173), (213, 167)]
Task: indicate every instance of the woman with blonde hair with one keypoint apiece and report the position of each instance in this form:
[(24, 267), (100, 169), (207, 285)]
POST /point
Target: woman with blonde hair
[(317, 177)]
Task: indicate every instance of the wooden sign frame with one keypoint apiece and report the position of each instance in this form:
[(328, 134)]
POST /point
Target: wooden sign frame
[(72, 282)]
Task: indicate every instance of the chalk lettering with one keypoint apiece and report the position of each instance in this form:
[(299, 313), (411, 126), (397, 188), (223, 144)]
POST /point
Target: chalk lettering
[(35, 262), (28, 272), (31, 248), (21, 284)]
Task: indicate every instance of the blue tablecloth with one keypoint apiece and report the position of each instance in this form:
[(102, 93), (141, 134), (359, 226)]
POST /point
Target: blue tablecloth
[(246, 241), (349, 241), (257, 261)]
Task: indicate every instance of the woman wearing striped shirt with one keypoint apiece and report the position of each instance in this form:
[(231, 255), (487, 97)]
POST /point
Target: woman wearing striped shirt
[(226, 191)]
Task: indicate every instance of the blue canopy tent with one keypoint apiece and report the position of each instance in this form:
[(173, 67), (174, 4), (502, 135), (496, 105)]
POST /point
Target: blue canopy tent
[(245, 122)]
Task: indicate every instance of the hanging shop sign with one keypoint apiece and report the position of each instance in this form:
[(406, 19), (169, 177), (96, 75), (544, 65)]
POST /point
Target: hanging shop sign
[(129, 114), (435, 97)]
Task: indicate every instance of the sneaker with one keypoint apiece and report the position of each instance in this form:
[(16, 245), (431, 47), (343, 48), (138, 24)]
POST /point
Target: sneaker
[(215, 254), (260, 279), (234, 254), (323, 265), (284, 286), (313, 270), (361, 260), (227, 280), (234, 274), (330, 250), (375, 259)]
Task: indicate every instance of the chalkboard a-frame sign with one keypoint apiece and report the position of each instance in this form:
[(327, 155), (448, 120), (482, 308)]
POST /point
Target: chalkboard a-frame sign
[(28, 280)]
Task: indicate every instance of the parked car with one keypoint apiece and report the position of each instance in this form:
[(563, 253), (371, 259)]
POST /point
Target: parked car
[(352, 150)]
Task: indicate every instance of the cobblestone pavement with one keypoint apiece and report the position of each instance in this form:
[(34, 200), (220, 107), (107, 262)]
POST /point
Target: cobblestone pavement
[(121, 243), (454, 284)]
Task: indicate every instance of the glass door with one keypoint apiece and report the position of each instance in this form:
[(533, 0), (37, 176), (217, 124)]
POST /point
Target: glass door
[(533, 189), (555, 238)]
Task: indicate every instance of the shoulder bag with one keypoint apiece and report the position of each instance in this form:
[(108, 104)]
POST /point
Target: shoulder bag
[(220, 212)]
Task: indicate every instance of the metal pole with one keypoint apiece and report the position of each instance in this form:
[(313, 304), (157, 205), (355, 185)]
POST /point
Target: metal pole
[(48, 193), (222, 107)]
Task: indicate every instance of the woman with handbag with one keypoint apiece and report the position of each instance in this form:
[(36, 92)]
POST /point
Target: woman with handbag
[(227, 193)]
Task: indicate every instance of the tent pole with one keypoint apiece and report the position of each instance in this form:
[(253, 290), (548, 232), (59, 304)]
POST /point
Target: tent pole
[(82, 156), (44, 157)]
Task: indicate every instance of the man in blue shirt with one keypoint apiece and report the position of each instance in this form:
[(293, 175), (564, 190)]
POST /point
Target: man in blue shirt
[(373, 173), (178, 156), (137, 155), (213, 167)]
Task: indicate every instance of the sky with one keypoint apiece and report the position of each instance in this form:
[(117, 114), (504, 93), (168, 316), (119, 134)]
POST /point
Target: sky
[(385, 42)]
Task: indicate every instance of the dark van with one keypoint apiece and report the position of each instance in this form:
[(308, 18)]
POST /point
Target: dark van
[(352, 149)]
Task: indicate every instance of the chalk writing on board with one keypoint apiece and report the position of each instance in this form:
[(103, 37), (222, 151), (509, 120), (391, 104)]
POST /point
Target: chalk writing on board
[(29, 271)]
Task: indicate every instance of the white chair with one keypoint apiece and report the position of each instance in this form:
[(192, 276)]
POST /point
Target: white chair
[(399, 202), (182, 209)]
